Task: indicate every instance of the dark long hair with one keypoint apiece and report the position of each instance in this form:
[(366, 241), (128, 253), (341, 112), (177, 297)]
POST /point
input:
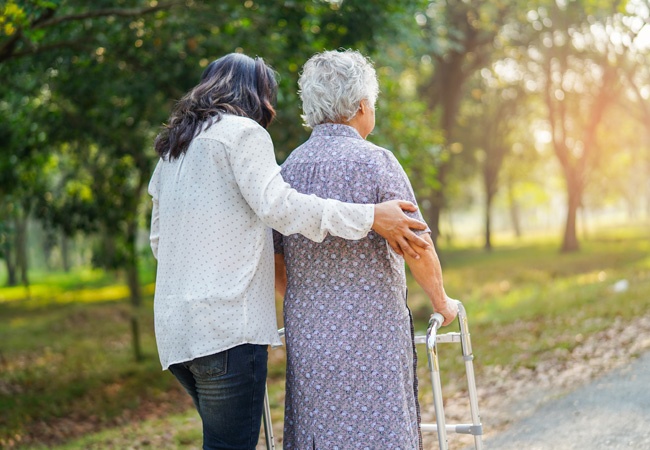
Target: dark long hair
[(234, 84)]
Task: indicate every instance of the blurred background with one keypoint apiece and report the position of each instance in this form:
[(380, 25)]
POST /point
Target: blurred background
[(523, 125)]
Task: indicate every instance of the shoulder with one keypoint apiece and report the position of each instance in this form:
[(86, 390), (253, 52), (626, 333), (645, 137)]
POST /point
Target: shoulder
[(243, 123), (381, 153), (351, 150), (231, 129), (375, 156)]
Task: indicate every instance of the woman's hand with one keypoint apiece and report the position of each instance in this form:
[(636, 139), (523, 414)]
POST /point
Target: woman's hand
[(449, 312), (396, 227)]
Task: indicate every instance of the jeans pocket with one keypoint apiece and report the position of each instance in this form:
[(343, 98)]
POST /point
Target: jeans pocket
[(214, 365)]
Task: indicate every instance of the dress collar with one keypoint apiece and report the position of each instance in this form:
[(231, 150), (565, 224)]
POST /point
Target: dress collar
[(335, 129)]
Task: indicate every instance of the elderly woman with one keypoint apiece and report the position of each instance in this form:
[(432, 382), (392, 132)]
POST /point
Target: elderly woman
[(351, 380)]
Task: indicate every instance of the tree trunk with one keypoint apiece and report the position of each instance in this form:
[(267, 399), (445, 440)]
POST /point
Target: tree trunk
[(437, 203), (513, 208), (10, 263), (582, 215), (48, 245), (570, 240), (135, 334), (133, 279), (488, 222), (133, 282), (491, 168), (444, 91), (65, 253), (21, 247), (647, 171)]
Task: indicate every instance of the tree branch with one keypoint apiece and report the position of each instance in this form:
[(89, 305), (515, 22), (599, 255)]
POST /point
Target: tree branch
[(8, 48), (105, 13), (45, 48)]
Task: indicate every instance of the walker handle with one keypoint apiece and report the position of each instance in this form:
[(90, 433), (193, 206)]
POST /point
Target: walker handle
[(436, 320)]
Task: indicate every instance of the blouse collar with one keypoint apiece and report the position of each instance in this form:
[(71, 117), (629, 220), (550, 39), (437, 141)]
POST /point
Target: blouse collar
[(335, 129)]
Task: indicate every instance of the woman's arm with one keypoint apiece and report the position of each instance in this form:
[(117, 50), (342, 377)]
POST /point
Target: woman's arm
[(284, 209), (280, 274), (428, 274)]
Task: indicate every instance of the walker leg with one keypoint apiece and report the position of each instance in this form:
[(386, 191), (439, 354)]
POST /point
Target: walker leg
[(468, 357), (268, 425), (437, 397), (432, 339)]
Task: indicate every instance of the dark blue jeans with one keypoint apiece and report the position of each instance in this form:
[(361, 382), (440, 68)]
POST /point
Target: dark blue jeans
[(228, 392)]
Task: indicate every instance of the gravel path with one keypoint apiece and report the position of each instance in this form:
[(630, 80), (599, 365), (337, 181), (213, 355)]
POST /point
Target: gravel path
[(611, 412)]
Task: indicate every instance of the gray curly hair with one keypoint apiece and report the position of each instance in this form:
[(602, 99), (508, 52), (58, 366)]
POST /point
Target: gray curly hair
[(332, 85)]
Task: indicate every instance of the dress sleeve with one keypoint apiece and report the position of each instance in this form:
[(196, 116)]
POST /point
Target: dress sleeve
[(282, 208), (154, 186), (394, 184)]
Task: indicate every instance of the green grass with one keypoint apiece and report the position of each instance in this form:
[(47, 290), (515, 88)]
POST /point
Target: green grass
[(66, 358), (66, 352), (177, 431)]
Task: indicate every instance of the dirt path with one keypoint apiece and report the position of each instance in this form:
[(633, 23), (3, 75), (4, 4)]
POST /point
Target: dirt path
[(609, 413)]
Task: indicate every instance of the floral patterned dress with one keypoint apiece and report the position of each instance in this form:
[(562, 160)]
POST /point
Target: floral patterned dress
[(351, 360)]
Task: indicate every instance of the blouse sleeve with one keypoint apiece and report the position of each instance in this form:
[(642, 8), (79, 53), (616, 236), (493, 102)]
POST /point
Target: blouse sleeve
[(282, 208), (154, 235)]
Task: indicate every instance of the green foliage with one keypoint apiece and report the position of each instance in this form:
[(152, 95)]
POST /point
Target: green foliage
[(405, 126), (109, 78), (17, 15), (89, 84)]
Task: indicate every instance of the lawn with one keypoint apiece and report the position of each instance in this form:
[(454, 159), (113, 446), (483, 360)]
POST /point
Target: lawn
[(67, 375)]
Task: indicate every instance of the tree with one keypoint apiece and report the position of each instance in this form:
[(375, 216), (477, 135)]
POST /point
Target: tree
[(25, 118), (488, 129), (578, 62), (637, 78), (458, 38)]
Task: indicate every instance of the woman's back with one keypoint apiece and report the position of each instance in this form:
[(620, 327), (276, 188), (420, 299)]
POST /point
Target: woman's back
[(337, 163), (204, 288), (350, 375)]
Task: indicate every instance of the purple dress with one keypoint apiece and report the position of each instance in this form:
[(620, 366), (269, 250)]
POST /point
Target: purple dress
[(350, 354)]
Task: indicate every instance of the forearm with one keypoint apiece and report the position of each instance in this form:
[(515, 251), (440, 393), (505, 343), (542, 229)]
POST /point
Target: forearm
[(428, 274), (290, 212)]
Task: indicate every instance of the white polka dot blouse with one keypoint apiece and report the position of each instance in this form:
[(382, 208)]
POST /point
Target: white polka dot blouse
[(213, 210)]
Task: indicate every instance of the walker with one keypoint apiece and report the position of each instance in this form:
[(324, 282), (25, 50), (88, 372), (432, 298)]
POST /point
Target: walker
[(431, 339)]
